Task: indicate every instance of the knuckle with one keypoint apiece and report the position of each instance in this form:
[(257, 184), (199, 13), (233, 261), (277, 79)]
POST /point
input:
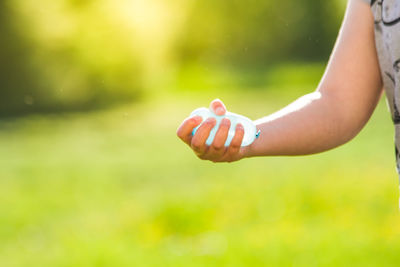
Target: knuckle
[(233, 152), (196, 145), (197, 149), (232, 158), (217, 159), (235, 146), (202, 156), (179, 133), (217, 146)]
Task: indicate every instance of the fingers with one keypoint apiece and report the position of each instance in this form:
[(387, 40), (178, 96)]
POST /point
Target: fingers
[(234, 147), (218, 107), (217, 152), (217, 149), (198, 143), (234, 151), (184, 132)]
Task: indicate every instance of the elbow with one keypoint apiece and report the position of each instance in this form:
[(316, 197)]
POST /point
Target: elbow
[(348, 115)]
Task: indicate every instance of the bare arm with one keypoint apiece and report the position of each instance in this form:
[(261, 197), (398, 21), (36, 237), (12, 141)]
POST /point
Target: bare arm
[(330, 116), (343, 102)]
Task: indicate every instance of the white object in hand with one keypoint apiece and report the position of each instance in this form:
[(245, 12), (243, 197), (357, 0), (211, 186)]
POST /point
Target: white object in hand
[(250, 129)]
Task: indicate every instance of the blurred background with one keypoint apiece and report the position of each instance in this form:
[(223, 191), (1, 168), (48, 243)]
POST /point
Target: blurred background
[(92, 173)]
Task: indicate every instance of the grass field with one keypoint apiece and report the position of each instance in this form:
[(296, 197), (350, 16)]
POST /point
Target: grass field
[(117, 188)]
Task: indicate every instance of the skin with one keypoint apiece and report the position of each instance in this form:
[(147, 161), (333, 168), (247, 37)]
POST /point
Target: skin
[(328, 117)]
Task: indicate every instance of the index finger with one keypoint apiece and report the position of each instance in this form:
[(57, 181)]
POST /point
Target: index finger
[(184, 131)]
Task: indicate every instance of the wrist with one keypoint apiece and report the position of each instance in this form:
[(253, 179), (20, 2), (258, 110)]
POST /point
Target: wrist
[(250, 150), (246, 152)]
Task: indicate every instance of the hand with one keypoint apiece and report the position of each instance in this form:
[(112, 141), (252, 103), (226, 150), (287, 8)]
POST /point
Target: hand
[(217, 152)]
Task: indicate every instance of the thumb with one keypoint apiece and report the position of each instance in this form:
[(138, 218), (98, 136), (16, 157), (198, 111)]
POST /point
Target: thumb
[(217, 107)]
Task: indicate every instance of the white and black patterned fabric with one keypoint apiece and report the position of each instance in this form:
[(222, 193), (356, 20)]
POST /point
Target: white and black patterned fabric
[(387, 37)]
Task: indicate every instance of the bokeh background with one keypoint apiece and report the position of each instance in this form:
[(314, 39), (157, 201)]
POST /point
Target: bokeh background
[(92, 173)]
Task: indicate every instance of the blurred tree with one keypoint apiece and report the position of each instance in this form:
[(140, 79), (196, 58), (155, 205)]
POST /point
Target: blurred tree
[(75, 54), (16, 76), (257, 33), (63, 55)]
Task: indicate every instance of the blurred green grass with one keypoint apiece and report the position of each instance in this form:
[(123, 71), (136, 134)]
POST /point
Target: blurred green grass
[(117, 187)]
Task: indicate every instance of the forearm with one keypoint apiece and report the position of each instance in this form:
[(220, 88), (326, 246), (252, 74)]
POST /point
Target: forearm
[(337, 111), (313, 123), (332, 115)]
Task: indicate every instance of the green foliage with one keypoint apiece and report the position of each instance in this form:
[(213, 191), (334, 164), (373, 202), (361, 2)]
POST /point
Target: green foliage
[(117, 188), (60, 55), (78, 55), (258, 33), (288, 76)]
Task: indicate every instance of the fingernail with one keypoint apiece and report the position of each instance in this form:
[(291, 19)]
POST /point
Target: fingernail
[(239, 127), (219, 110), (225, 121)]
